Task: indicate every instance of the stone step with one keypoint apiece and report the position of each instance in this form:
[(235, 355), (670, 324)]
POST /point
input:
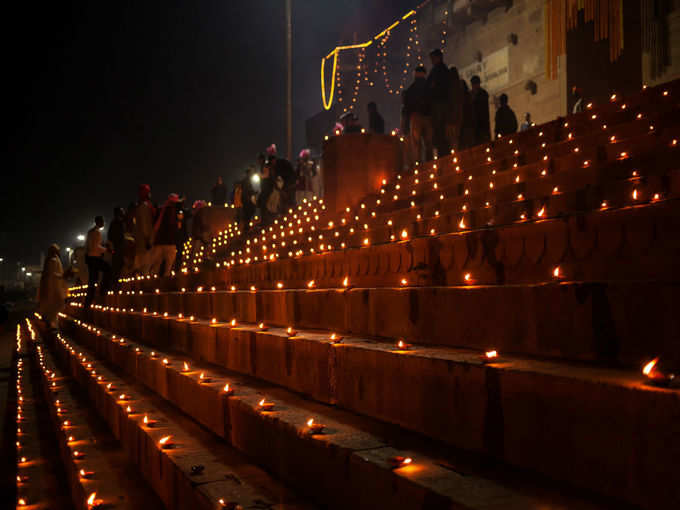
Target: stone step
[(92, 461), (189, 469), (589, 427), (280, 439), (38, 485)]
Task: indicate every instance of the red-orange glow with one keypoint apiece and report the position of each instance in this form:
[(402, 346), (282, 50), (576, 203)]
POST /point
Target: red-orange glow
[(164, 441), (649, 368)]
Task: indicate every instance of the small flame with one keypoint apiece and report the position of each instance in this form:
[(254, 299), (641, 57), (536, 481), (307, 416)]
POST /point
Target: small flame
[(261, 325), (202, 376), (22, 501), (146, 420), (541, 212), (82, 472), (401, 344), (635, 194), (226, 388), (467, 277), (310, 422), (165, 361), (213, 320), (556, 272), (164, 440), (129, 409), (261, 403), (233, 322), (90, 500), (462, 223), (186, 366), (406, 461), (345, 282), (311, 284), (491, 354), (649, 367)]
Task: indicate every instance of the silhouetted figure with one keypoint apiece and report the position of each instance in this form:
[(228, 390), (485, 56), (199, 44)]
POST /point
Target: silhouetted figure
[(438, 89), (454, 121), (467, 129), (116, 237), (480, 109), (96, 265), (376, 123), (248, 197), (218, 193), (505, 121), (416, 118), (527, 124), (143, 218), (166, 229)]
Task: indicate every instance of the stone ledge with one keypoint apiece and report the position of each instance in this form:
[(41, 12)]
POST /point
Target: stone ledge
[(280, 440), (572, 424)]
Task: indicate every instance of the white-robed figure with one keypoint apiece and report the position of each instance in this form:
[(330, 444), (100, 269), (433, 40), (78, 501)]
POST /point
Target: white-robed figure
[(52, 292)]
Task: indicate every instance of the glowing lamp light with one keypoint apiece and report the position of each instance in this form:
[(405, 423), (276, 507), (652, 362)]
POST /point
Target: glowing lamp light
[(227, 389), (202, 378), (557, 272), (165, 442), (311, 284), (166, 362), (22, 502), (541, 212), (468, 278), (86, 474), (490, 356), (128, 410), (403, 346), (148, 422), (403, 282), (213, 321), (186, 367), (345, 281), (265, 406), (291, 332), (398, 461), (635, 194), (262, 327), (78, 454), (313, 427), (279, 285), (335, 338)]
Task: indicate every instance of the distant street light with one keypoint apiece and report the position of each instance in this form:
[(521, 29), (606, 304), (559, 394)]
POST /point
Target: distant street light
[(29, 274), (1, 259), (23, 269), (255, 178), (81, 237)]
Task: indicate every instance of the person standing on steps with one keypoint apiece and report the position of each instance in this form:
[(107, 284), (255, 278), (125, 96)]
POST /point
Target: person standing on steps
[(96, 265), (376, 123), (416, 117), (52, 290), (143, 217), (480, 110), (165, 234), (438, 88), (218, 194), (505, 121)]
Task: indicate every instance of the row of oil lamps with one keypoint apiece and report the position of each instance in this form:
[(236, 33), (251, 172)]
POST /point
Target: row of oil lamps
[(312, 426), (650, 370)]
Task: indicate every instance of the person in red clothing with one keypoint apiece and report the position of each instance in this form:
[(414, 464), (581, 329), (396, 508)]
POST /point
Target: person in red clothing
[(165, 233)]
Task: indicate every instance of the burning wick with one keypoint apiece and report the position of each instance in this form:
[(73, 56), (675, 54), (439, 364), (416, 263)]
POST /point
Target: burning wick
[(266, 406), (213, 321), (92, 502), (86, 474), (128, 409), (398, 461), (148, 422), (232, 323), (335, 339), (166, 362), (186, 367), (291, 332), (78, 455), (489, 356), (657, 378), (165, 442), (203, 379), (123, 396), (557, 272), (403, 346), (227, 389), (262, 327), (315, 428)]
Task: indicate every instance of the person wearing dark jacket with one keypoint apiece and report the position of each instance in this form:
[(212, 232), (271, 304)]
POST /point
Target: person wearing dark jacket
[(467, 129), (116, 236), (166, 232), (376, 123), (438, 87), (416, 115), (505, 122), (219, 193), (480, 110)]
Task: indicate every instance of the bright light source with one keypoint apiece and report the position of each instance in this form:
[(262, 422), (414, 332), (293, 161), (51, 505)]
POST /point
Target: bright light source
[(255, 178), (81, 237), (29, 274)]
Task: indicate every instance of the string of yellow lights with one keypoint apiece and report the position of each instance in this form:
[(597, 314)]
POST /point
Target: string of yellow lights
[(328, 102)]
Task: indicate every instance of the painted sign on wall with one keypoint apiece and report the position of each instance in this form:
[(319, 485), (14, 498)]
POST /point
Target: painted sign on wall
[(494, 70)]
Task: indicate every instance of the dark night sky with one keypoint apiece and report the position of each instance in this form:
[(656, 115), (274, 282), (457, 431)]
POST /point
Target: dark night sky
[(103, 96)]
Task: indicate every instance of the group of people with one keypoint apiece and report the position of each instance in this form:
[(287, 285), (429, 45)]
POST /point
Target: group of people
[(273, 186), (440, 112)]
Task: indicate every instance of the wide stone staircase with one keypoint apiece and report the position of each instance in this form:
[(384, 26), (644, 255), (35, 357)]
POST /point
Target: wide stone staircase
[(492, 329)]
